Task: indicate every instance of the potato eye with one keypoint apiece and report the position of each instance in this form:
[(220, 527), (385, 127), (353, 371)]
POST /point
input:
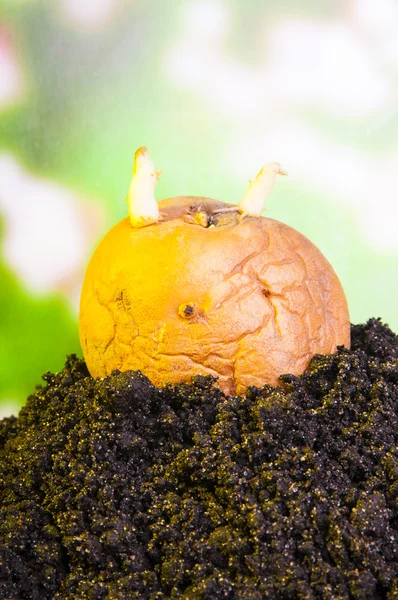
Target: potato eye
[(187, 311)]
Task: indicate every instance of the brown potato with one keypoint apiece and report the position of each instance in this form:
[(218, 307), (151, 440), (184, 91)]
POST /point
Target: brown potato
[(206, 292)]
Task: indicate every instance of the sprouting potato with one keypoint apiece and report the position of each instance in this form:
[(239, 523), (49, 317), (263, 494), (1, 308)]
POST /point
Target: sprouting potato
[(191, 286)]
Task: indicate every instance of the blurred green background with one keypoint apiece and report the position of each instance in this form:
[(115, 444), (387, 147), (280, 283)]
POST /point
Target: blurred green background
[(215, 89)]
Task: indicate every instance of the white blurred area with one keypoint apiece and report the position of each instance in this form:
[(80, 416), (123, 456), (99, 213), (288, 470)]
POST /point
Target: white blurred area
[(89, 15), (345, 68), (199, 62), (378, 21), (11, 75), (328, 65), (48, 231)]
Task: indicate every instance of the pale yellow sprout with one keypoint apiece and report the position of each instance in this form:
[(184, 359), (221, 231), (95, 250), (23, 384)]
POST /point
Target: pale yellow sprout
[(253, 202), (142, 206)]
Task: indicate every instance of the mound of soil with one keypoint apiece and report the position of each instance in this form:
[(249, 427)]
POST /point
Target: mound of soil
[(117, 489)]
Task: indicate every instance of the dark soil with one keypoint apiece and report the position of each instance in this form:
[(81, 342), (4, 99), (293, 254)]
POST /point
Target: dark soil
[(116, 489)]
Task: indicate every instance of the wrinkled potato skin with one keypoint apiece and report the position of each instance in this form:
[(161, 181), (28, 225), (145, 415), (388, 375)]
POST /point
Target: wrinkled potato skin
[(262, 300)]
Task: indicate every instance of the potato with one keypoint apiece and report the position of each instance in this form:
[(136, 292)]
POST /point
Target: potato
[(204, 290)]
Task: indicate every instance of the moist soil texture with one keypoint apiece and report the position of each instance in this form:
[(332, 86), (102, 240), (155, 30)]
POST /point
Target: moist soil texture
[(113, 488)]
